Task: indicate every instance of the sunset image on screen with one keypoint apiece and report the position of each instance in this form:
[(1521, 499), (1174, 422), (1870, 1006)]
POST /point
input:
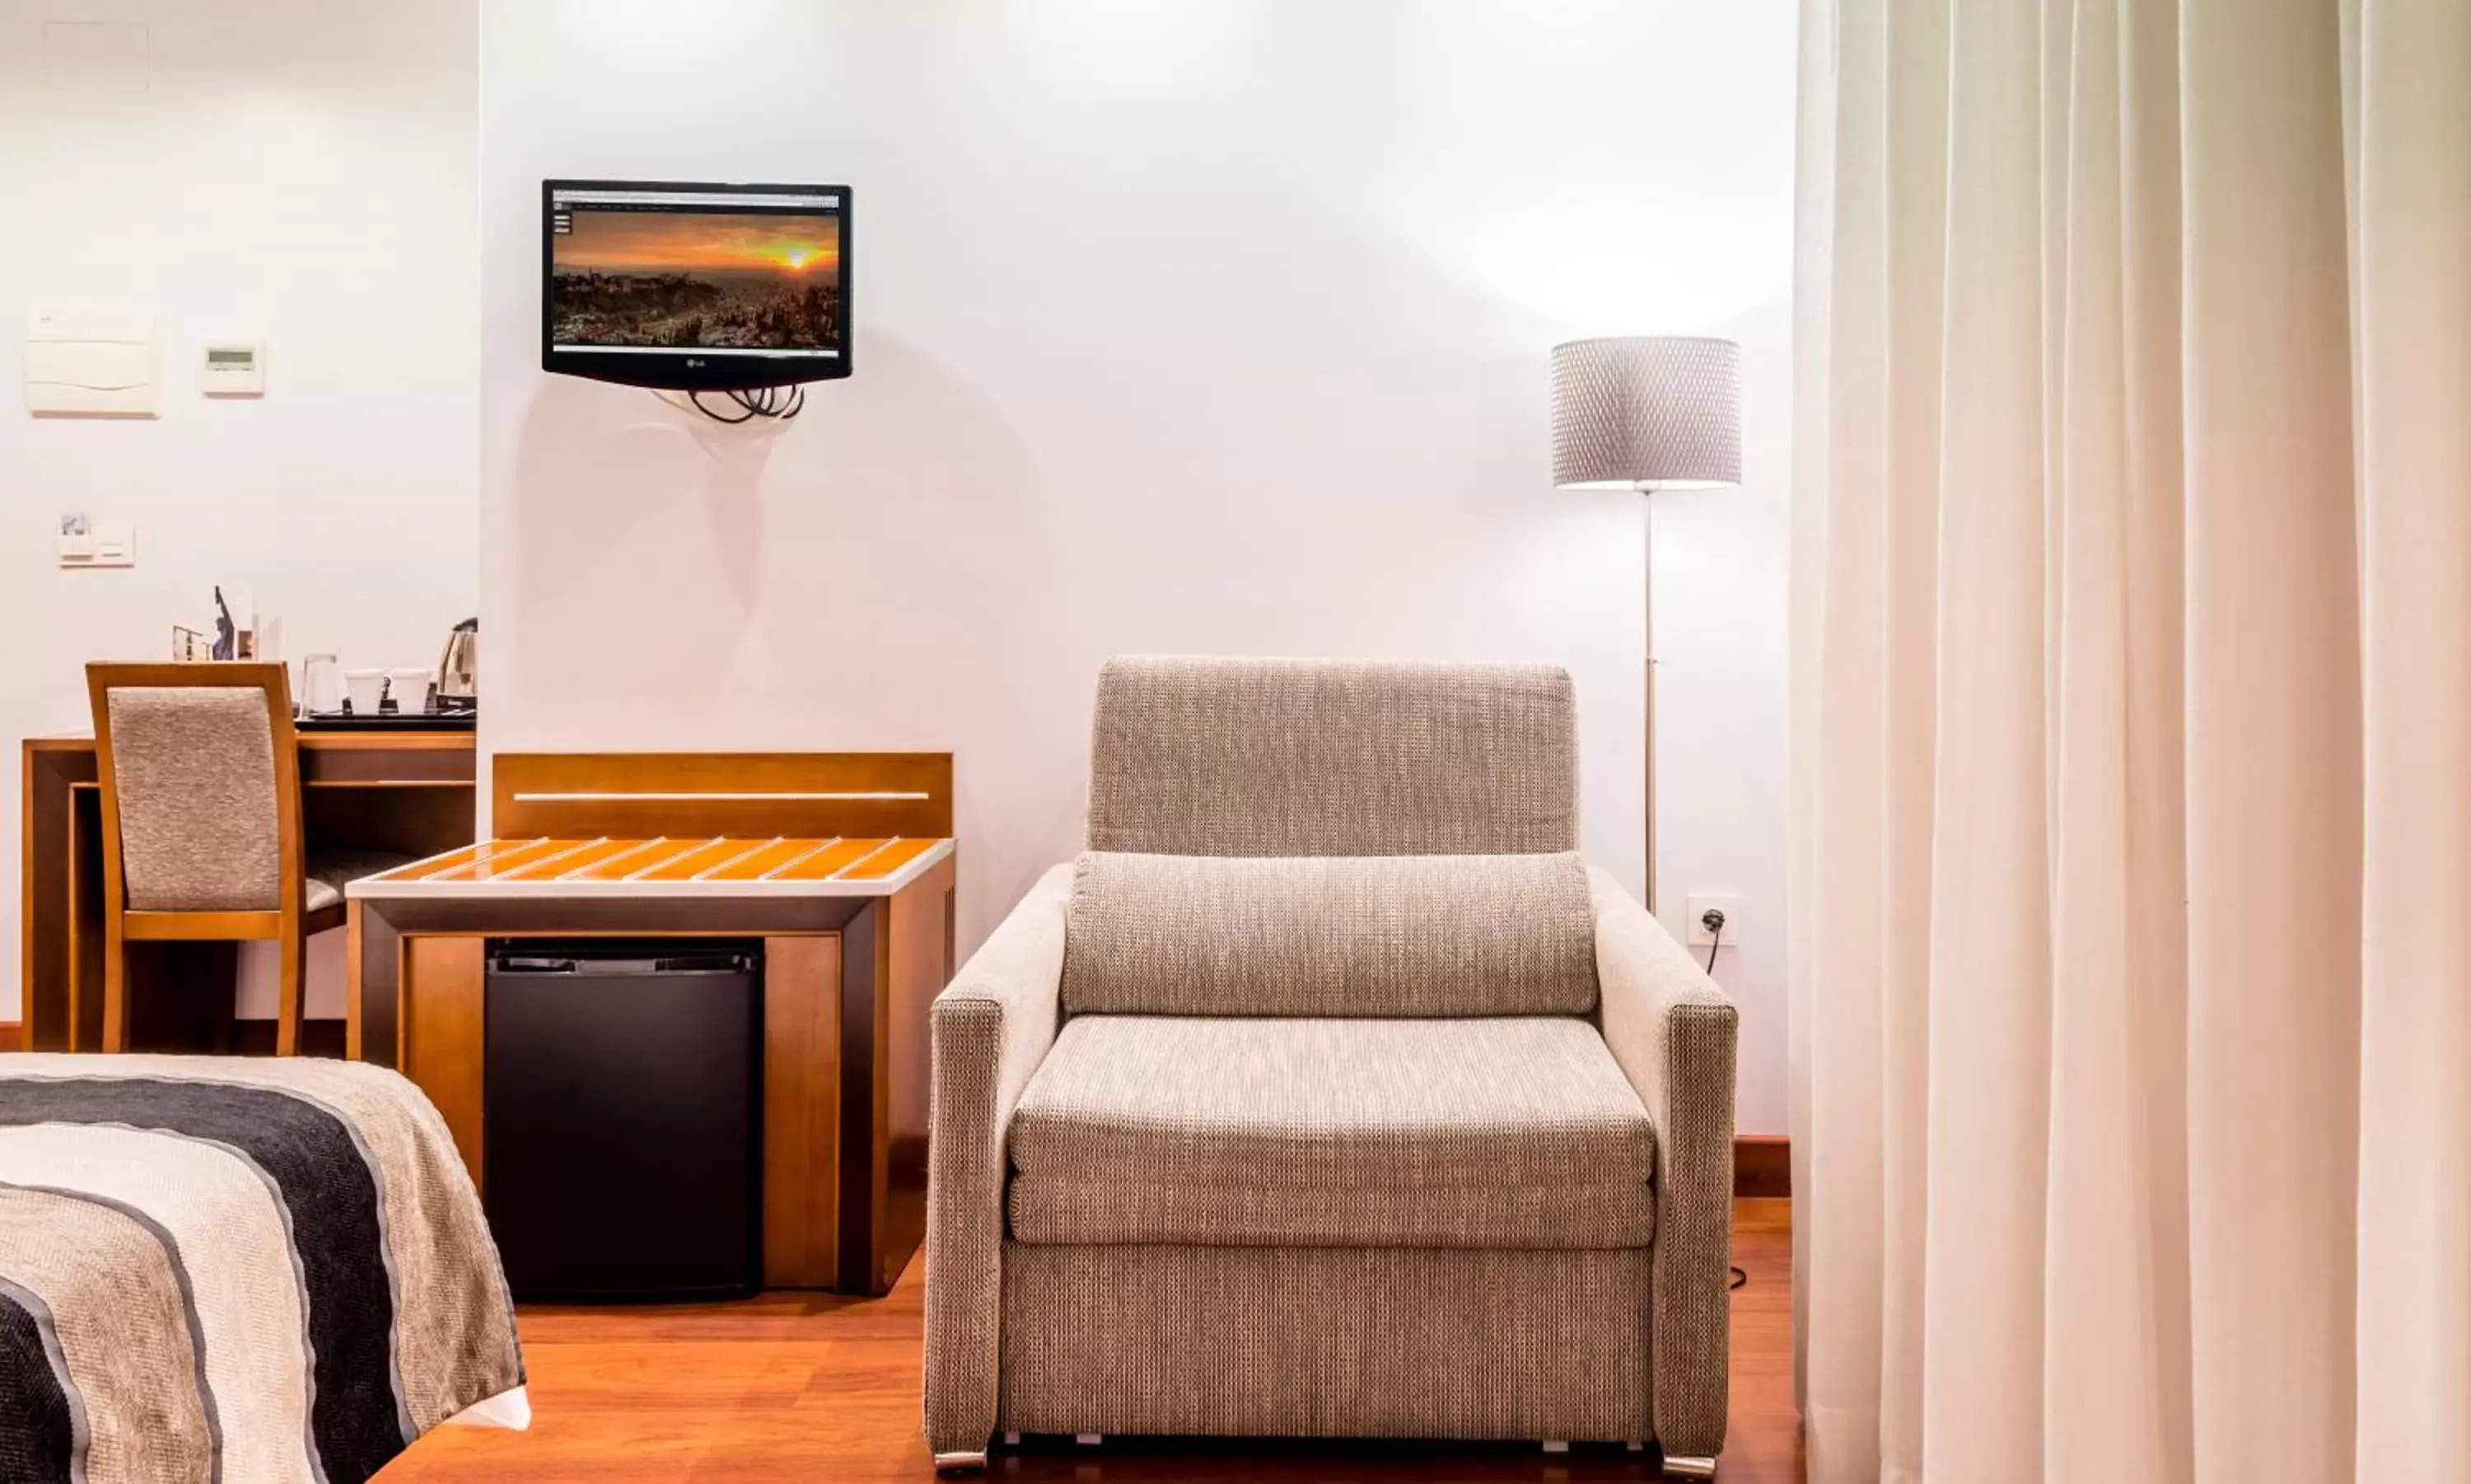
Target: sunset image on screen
[(697, 280)]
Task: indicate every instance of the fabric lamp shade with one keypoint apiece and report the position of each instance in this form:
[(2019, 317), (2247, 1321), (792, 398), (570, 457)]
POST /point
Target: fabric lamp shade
[(1647, 412)]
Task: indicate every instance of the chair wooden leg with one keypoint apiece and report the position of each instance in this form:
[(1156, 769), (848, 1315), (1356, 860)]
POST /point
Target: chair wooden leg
[(295, 974), (116, 986)]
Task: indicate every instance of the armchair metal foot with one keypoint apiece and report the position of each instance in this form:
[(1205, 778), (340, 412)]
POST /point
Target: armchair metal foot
[(1635, 1445), (1088, 1439), (1012, 1440), (1683, 1466), (1556, 1444), (961, 1463)]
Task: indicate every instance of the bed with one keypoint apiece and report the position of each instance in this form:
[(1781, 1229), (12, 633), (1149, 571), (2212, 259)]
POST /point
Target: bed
[(236, 1271)]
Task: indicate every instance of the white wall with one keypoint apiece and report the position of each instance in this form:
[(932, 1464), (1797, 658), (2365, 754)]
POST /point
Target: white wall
[(296, 169), (1213, 326), (1216, 326)]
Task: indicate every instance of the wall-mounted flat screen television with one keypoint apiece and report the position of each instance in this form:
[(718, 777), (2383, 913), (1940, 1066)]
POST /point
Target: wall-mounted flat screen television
[(694, 287)]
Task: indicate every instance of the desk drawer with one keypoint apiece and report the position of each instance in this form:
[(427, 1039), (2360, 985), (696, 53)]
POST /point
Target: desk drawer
[(380, 759)]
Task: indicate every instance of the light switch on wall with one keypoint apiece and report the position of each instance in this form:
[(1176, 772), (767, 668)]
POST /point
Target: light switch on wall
[(85, 544)]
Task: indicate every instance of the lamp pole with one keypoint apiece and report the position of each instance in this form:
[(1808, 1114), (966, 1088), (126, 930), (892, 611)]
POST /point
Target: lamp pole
[(1647, 633)]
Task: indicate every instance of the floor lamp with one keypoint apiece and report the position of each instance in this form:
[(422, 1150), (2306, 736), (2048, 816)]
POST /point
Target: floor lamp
[(1647, 412)]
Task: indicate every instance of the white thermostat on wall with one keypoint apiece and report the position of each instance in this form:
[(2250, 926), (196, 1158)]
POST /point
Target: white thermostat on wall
[(234, 368), (95, 360)]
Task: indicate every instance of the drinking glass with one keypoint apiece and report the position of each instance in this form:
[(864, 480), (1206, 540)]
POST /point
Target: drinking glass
[(322, 684)]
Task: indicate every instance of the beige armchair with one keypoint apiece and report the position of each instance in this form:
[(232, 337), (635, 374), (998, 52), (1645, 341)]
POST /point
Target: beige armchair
[(1329, 1093)]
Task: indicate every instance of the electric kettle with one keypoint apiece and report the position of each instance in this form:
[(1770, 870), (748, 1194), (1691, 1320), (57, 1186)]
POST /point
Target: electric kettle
[(459, 679)]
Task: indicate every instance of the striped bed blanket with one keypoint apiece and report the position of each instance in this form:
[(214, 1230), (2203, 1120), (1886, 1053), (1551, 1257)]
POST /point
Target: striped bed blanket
[(234, 1271)]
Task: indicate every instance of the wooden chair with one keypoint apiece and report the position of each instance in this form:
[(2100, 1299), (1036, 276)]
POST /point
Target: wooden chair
[(201, 833)]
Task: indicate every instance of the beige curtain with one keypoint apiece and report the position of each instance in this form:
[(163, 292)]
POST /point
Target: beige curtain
[(2132, 868)]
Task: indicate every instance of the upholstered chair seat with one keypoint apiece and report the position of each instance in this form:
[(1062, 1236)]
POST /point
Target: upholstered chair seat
[(1241, 1131), (330, 871)]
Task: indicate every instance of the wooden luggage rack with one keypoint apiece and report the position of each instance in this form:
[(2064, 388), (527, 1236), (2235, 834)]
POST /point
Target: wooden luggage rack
[(842, 863)]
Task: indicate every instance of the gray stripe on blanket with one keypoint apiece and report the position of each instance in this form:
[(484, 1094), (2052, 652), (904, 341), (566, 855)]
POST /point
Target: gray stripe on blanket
[(188, 1302), (52, 1408)]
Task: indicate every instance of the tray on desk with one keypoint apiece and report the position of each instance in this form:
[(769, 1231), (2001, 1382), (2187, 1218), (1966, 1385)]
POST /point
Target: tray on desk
[(387, 722)]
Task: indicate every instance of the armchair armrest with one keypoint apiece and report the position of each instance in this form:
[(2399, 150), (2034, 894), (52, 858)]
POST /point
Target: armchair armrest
[(989, 1029), (1672, 1031)]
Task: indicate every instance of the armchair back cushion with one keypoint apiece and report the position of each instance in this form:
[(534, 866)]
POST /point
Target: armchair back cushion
[(1426, 936), (1227, 756)]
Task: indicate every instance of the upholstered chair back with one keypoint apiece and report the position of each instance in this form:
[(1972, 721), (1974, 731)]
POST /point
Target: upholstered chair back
[(195, 776), (1238, 757), (1306, 837)]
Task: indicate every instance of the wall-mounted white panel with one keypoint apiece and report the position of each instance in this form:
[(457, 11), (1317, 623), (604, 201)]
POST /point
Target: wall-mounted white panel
[(91, 359)]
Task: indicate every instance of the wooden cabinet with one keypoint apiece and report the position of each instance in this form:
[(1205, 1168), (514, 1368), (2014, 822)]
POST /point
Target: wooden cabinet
[(857, 940)]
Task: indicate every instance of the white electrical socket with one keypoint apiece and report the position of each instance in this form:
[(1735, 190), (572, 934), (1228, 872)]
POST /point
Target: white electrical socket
[(1727, 903)]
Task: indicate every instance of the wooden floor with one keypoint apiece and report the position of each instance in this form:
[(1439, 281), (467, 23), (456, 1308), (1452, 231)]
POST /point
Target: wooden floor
[(817, 1388)]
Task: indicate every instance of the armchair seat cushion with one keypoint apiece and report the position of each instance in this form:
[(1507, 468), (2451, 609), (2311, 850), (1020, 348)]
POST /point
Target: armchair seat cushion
[(1495, 1133)]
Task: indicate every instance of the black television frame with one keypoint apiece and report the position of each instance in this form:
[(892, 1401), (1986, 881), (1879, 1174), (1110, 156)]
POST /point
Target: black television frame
[(695, 370)]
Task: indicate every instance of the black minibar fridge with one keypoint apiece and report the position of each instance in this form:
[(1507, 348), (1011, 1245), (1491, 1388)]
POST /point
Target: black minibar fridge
[(622, 1142)]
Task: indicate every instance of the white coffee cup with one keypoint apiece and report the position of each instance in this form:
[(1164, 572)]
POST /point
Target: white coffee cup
[(364, 689), (410, 689)]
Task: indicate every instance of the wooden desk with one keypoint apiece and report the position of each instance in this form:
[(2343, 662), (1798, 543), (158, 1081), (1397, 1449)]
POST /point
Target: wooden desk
[(410, 792), (840, 864)]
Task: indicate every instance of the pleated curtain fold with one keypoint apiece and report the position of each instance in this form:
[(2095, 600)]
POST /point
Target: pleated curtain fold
[(2132, 851)]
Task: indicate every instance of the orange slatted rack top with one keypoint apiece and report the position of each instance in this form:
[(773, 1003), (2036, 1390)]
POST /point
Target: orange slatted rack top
[(718, 864)]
